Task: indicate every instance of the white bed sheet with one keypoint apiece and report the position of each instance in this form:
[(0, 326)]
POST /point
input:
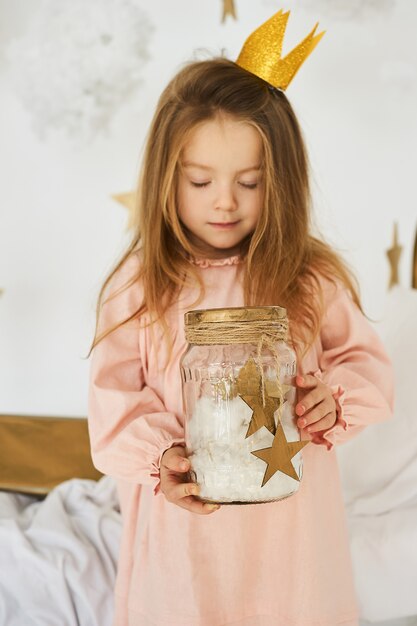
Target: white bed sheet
[(58, 555)]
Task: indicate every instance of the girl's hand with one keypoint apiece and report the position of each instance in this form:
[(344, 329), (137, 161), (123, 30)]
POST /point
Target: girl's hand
[(174, 475), (317, 408)]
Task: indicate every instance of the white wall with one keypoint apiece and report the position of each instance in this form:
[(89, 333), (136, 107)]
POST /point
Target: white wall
[(60, 230)]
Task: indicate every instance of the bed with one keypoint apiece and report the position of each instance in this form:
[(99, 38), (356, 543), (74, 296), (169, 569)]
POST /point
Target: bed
[(60, 522), (59, 525)]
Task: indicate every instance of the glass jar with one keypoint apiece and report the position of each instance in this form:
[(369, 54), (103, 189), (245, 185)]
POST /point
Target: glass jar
[(239, 396)]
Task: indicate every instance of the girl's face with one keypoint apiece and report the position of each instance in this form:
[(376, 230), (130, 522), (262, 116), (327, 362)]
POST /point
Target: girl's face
[(220, 187)]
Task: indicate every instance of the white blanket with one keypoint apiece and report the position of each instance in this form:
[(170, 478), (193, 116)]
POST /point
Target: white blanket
[(384, 554), (58, 555)]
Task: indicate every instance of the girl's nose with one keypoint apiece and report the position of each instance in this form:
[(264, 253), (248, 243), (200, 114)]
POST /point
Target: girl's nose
[(226, 200)]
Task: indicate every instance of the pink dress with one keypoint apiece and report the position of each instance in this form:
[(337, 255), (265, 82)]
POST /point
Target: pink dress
[(283, 563)]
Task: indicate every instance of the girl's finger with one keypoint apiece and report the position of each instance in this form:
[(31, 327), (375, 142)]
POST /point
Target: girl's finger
[(171, 479), (176, 462), (195, 506), (310, 400), (322, 409), (323, 424), (181, 490), (306, 381), (184, 494)]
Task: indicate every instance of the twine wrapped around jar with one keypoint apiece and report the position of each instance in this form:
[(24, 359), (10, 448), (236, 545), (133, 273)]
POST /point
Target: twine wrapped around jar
[(236, 325)]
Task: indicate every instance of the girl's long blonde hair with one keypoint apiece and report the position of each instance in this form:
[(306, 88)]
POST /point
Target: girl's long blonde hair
[(283, 260)]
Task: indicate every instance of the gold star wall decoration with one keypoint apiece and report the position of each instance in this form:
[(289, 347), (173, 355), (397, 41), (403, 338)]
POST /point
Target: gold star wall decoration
[(278, 456), (394, 254), (228, 9), (128, 200)]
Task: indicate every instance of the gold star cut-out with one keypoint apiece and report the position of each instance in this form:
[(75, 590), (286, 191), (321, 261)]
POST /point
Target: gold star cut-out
[(249, 389), (128, 200), (262, 415), (273, 391), (278, 456), (394, 254), (249, 379), (228, 9)]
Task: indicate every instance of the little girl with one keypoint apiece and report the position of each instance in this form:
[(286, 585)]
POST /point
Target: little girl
[(223, 221)]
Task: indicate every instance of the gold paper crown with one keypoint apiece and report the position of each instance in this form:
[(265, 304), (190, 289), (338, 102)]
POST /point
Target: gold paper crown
[(261, 52)]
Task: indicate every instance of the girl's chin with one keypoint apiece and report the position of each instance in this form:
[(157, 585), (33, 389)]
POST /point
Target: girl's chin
[(220, 247), (219, 252)]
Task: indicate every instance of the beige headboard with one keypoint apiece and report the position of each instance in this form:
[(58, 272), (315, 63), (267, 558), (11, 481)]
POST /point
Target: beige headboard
[(38, 453)]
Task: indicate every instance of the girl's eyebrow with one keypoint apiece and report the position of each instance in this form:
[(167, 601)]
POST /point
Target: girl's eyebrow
[(206, 167)]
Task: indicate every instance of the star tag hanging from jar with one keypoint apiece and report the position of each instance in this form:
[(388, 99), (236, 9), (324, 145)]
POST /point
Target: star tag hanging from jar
[(278, 456), (263, 405)]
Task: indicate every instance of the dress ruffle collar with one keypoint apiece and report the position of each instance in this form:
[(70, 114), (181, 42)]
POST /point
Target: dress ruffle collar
[(204, 263)]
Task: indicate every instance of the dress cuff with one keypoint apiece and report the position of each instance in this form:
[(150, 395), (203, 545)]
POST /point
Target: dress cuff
[(327, 437)]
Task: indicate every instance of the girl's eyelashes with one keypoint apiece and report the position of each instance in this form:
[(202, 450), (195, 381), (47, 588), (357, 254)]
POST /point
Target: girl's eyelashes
[(246, 185), (249, 185), (198, 184)]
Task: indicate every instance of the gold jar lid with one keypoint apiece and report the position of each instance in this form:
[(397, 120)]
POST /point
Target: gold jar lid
[(236, 314)]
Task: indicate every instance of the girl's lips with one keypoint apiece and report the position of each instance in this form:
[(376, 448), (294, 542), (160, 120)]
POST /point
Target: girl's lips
[(223, 225)]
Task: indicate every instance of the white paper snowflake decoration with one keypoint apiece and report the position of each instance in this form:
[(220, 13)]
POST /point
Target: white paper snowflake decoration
[(79, 63)]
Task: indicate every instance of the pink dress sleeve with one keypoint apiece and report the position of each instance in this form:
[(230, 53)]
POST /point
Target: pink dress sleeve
[(129, 426), (354, 363)]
